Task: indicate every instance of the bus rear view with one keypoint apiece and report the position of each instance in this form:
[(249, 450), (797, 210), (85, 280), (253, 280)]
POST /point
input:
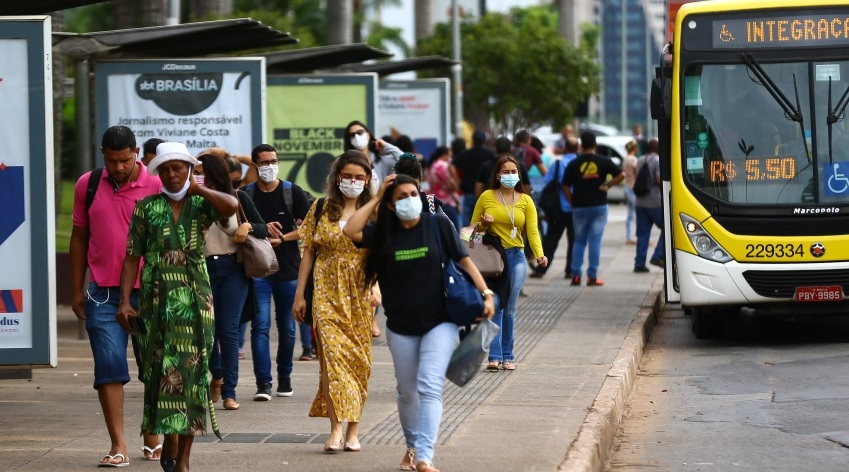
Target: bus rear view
[(755, 158)]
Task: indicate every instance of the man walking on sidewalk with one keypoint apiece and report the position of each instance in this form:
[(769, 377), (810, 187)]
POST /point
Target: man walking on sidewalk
[(104, 200), (281, 205), (587, 174), (650, 212)]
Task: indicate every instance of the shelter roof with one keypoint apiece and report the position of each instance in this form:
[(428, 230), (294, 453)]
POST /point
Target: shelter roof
[(184, 40), (403, 65), (41, 7), (324, 57)]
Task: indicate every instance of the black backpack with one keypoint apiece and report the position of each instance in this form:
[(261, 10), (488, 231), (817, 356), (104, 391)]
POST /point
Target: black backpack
[(549, 199), (643, 182)]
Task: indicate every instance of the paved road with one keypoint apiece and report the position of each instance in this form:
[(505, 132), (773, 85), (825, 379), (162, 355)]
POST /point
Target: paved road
[(572, 344), (773, 395)]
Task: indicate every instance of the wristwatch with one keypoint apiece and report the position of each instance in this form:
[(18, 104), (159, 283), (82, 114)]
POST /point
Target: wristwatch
[(487, 292)]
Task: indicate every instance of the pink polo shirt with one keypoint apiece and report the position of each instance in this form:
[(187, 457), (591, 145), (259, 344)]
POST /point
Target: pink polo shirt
[(110, 214)]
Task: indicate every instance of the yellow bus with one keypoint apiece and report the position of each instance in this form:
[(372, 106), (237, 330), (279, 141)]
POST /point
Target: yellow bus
[(751, 100)]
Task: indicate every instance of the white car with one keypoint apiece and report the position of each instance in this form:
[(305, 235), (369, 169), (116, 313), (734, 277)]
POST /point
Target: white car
[(610, 146), (614, 148)]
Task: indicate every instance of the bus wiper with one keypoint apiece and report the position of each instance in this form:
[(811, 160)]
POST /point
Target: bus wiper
[(790, 112), (835, 114)]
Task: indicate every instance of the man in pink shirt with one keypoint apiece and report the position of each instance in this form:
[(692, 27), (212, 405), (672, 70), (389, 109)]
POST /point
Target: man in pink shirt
[(98, 244)]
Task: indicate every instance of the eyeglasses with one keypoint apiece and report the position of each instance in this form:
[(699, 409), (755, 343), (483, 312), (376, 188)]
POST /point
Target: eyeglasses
[(353, 178), (262, 164), (359, 132)]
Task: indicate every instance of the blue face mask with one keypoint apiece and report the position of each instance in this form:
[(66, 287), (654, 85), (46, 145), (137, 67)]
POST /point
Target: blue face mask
[(509, 180), (408, 209)]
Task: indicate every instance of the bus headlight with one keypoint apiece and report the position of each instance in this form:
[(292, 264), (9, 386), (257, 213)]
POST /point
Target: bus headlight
[(702, 242)]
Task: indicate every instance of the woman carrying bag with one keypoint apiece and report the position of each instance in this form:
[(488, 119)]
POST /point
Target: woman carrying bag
[(230, 286), (506, 212), (404, 258)]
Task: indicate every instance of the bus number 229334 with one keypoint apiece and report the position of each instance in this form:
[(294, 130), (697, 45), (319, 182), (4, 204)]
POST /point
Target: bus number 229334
[(774, 250)]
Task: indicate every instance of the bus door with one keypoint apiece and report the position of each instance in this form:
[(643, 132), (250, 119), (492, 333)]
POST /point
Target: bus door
[(661, 111)]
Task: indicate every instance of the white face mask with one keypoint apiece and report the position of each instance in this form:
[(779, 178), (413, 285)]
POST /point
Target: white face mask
[(351, 188), (179, 194), (359, 141), (408, 209), (268, 173)]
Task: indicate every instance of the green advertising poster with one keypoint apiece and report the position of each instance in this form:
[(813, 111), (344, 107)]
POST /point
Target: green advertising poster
[(306, 120)]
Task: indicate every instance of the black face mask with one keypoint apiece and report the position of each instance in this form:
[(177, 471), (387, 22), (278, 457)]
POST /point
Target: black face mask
[(236, 183)]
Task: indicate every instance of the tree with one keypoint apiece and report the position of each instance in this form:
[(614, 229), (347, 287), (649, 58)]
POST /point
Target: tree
[(339, 21), (517, 70)]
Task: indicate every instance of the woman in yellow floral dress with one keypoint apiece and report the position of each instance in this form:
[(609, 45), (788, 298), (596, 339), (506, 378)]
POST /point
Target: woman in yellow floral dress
[(343, 307)]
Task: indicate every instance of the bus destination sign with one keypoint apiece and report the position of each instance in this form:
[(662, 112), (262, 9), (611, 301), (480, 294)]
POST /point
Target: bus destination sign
[(779, 31)]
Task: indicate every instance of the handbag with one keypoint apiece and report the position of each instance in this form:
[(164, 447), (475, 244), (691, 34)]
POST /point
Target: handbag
[(463, 301), (256, 255), (486, 258), (309, 288), (466, 359)]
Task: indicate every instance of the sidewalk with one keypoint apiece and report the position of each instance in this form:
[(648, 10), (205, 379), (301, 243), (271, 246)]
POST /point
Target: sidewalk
[(577, 349)]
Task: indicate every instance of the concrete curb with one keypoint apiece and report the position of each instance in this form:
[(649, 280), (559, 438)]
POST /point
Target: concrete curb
[(590, 450)]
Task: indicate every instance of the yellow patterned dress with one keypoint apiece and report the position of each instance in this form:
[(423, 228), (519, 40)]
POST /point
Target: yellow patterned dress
[(342, 317)]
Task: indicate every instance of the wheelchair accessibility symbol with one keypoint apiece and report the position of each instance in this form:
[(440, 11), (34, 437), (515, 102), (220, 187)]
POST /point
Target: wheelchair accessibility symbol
[(836, 178)]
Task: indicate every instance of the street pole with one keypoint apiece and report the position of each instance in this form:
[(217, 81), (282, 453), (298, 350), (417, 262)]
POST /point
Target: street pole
[(458, 71), (623, 94), (173, 13)]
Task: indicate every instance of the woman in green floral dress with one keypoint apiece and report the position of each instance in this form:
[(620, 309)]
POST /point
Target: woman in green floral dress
[(175, 302)]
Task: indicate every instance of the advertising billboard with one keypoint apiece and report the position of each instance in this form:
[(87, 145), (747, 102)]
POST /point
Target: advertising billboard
[(202, 103), (307, 116), (416, 108), (27, 230)]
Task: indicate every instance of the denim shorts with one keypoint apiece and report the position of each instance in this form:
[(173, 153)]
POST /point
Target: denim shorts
[(108, 340)]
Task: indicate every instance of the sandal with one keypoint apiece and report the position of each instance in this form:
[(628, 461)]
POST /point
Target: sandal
[(111, 457), (426, 466), (492, 366), (409, 460), (152, 454), (508, 366)]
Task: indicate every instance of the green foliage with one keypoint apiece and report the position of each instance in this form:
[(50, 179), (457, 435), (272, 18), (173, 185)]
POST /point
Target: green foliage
[(517, 70), (98, 17), (381, 36), (303, 19)]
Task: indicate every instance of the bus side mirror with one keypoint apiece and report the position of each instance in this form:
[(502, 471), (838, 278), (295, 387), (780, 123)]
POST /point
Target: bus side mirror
[(661, 100)]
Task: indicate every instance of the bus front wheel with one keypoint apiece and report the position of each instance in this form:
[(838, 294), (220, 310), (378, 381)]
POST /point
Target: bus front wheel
[(707, 322)]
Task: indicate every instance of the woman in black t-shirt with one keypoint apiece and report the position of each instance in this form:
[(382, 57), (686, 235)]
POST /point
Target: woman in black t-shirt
[(404, 259)]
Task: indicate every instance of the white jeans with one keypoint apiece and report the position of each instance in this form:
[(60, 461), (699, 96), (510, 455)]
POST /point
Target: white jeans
[(420, 364)]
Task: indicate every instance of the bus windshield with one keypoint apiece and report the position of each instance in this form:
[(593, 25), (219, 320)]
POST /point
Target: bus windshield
[(741, 146)]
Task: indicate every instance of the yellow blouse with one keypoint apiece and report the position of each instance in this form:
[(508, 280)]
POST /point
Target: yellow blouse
[(490, 202)]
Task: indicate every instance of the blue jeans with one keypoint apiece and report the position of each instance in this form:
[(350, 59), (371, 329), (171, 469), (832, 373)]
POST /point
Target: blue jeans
[(284, 296), (420, 363), (306, 335), (646, 217), (501, 348), (469, 201), (229, 292), (589, 225), (631, 201), (108, 340)]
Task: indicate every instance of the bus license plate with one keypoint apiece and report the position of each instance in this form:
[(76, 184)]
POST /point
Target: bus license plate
[(819, 294)]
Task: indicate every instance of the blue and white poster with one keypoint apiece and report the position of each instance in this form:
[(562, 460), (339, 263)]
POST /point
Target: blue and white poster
[(201, 103), (416, 108), (27, 235)]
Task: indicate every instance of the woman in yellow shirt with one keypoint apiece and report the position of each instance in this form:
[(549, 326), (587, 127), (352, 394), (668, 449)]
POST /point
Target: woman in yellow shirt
[(506, 212)]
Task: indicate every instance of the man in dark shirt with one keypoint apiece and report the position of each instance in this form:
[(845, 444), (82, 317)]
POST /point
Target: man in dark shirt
[(585, 185), (269, 198), (468, 165)]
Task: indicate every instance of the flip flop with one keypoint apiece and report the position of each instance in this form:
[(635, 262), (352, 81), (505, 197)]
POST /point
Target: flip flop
[(146, 450), (124, 462)]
